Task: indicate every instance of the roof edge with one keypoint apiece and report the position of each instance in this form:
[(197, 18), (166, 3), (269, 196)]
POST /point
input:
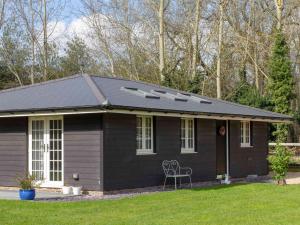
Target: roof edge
[(95, 90), (39, 84)]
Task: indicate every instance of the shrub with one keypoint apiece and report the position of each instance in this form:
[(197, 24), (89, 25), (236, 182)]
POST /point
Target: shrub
[(27, 182), (280, 163)]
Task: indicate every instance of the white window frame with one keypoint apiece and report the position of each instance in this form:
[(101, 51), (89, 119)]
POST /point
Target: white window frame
[(186, 149), (144, 150), (243, 134)]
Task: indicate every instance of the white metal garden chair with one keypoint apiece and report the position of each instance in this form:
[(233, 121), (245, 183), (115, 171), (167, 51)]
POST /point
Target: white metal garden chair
[(172, 169)]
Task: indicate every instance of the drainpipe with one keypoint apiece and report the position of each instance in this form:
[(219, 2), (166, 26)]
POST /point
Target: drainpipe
[(227, 181)]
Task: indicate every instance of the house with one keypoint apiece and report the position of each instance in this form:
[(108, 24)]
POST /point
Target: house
[(108, 133)]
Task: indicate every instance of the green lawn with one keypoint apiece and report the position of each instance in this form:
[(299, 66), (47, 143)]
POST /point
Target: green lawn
[(233, 204)]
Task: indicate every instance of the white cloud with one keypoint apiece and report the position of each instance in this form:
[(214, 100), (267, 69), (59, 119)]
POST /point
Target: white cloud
[(61, 32)]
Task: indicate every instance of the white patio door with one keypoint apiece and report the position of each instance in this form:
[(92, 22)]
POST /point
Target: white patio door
[(46, 150)]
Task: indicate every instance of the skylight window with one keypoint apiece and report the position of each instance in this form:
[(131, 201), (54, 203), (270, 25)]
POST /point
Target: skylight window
[(139, 92), (168, 95), (194, 98)]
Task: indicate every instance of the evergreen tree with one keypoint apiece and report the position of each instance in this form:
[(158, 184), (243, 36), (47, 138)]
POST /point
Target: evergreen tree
[(280, 83), (280, 88), (77, 58), (247, 94)]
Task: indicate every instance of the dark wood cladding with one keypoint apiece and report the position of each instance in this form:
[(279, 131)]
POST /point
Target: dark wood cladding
[(122, 168), (252, 160), (102, 150), (13, 149), (82, 142)]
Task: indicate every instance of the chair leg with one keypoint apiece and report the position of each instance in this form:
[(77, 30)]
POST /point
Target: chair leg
[(191, 181), (175, 183), (165, 183)]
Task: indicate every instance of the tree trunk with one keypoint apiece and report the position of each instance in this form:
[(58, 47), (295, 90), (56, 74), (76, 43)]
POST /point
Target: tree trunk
[(220, 41), (32, 44), (133, 70), (281, 182), (255, 57), (279, 8), (2, 9), (45, 56), (161, 40), (196, 37)]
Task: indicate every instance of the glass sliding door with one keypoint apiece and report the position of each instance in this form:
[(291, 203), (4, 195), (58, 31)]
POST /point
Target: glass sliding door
[(46, 150)]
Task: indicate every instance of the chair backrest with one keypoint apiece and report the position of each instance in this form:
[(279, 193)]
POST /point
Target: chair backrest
[(171, 167)]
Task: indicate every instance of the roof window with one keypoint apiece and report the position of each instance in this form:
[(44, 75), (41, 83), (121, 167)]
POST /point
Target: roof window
[(194, 98), (139, 92), (168, 95)]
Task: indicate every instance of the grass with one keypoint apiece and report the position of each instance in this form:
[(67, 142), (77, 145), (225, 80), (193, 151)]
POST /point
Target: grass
[(232, 204)]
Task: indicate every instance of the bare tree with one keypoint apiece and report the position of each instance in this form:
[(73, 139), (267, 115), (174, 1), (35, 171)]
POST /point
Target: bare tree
[(27, 14), (2, 8), (196, 37), (279, 7), (161, 39), (220, 42), (45, 39)]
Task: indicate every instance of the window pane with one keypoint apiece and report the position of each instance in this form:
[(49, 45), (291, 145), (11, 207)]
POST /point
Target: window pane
[(182, 133), (187, 133), (139, 133), (242, 132), (144, 133), (245, 132), (247, 127)]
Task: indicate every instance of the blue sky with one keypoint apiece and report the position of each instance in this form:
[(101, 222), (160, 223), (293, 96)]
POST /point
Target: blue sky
[(71, 10)]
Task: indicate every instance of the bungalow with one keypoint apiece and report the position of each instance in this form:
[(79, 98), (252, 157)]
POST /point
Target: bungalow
[(107, 133)]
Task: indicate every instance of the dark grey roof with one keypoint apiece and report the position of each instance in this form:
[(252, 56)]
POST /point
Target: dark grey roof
[(84, 91)]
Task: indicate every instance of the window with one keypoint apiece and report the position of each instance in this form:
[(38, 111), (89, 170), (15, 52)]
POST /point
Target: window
[(187, 135), (144, 135), (245, 134)]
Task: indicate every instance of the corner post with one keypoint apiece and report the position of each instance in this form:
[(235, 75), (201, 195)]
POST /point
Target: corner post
[(227, 180)]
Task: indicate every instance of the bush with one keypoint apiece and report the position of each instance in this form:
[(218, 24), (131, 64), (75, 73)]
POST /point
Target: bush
[(27, 182), (280, 163)]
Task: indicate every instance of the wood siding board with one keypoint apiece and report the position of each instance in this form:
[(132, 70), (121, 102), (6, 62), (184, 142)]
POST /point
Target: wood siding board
[(13, 149), (82, 134), (124, 169), (253, 160)]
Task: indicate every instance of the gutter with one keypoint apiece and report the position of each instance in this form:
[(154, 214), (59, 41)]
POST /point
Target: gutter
[(106, 107)]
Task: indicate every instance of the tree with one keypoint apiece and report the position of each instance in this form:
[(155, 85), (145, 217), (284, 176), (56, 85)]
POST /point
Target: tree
[(279, 7), (26, 11), (161, 38), (281, 82), (196, 37), (14, 51), (247, 94), (2, 8), (220, 43), (280, 87), (77, 58)]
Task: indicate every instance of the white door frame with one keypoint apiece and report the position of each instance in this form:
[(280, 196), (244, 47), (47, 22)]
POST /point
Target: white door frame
[(46, 182)]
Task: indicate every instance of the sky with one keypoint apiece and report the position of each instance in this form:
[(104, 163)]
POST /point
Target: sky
[(72, 10), (70, 23)]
